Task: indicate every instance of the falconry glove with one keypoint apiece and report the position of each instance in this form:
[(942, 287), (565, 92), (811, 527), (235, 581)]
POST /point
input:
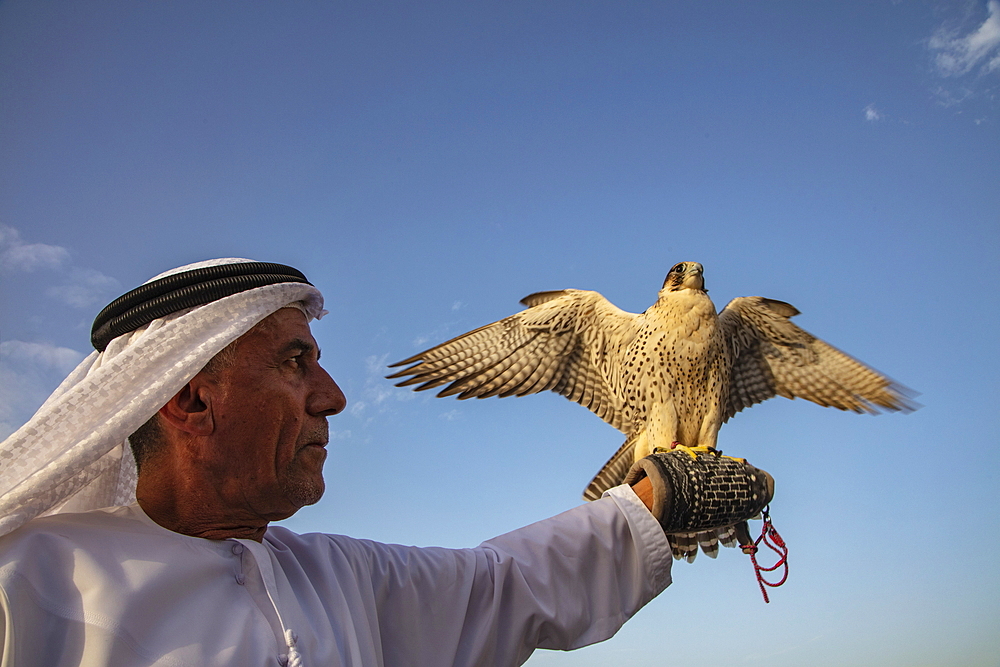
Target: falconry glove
[(696, 491)]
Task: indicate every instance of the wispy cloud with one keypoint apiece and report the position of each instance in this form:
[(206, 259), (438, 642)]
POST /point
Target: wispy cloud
[(377, 391), (85, 288), (440, 334), (16, 255), (28, 374), (78, 287), (872, 114), (978, 50), (40, 355), (949, 98)]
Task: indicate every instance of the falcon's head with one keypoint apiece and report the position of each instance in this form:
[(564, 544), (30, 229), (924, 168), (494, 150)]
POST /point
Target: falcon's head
[(686, 275)]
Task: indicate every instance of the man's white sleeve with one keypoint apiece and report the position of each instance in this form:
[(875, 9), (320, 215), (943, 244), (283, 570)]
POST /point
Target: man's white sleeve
[(561, 583)]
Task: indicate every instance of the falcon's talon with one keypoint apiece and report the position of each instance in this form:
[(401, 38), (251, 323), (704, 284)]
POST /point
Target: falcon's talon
[(718, 452), (691, 451)]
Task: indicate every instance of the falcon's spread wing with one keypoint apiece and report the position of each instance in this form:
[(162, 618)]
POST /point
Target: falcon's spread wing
[(773, 357), (564, 341)]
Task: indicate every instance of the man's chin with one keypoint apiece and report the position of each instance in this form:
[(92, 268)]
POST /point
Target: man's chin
[(305, 493), (305, 485)]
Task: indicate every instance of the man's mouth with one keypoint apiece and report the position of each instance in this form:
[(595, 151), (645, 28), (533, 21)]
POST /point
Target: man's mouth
[(321, 444), (318, 436)]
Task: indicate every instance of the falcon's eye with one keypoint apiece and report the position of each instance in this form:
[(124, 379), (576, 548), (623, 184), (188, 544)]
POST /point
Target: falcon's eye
[(678, 269)]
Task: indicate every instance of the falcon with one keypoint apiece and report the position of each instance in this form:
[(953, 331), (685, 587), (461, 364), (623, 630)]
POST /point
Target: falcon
[(667, 377)]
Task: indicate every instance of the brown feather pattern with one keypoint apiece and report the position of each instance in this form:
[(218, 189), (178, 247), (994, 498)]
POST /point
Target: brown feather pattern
[(675, 372)]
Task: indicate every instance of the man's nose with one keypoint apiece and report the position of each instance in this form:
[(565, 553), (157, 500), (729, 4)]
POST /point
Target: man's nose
[(326, 398)]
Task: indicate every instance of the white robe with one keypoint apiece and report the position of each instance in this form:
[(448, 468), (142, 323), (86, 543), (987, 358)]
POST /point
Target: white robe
[(111, 587)]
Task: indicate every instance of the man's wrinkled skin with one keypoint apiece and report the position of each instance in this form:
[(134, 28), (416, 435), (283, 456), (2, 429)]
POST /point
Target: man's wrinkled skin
[(245, 445)]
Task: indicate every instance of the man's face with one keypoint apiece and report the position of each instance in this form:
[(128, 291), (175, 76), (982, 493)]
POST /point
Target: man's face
[(270, 411)]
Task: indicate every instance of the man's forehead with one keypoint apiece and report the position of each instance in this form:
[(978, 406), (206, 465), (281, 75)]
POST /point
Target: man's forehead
[(282, 326), (291, 319), (293, 313)]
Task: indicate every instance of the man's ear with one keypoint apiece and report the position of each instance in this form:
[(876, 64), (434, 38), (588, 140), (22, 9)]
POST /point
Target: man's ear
[(190, 410)]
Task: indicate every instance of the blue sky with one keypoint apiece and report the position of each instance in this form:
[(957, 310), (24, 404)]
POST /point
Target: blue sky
[(429, 164)]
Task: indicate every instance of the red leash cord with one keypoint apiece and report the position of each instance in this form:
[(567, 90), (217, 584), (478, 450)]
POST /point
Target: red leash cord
[(773, 541)]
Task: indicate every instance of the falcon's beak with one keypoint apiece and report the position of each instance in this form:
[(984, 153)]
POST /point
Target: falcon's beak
[(697, 278)]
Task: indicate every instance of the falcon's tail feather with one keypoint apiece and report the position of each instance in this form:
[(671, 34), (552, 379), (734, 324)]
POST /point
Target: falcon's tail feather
[(612, 473), (685, 545), (727, 536)]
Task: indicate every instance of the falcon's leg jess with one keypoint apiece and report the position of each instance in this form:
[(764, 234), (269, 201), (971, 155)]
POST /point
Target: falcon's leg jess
[(742, 531)]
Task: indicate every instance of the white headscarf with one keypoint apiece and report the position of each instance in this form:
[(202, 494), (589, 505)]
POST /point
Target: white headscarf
[(72, 455)]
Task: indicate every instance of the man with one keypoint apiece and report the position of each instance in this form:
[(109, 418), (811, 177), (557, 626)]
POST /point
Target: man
[(214, 372)]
